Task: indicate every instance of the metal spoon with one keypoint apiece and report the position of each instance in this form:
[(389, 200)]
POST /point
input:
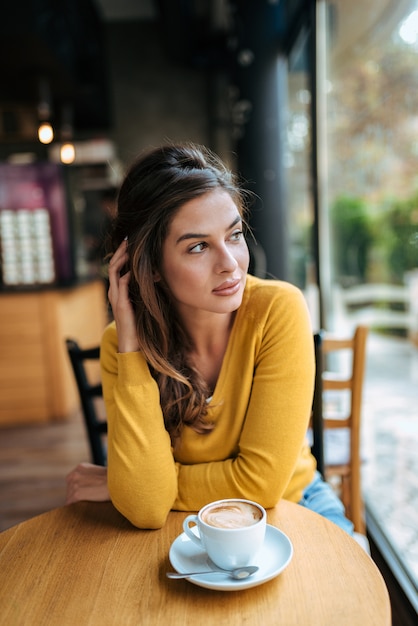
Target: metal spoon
[(240, 573)]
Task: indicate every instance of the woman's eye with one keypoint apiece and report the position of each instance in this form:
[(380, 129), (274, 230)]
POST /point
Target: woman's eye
[(199, 247), (237, 235)]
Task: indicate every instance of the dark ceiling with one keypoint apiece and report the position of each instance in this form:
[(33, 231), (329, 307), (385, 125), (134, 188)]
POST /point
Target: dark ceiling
[(60, 44), (117, 10)]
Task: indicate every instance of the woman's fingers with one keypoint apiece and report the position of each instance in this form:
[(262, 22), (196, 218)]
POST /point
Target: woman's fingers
[(119, 259), (116, 281), (87, 482), (118, 295), (118, 292)]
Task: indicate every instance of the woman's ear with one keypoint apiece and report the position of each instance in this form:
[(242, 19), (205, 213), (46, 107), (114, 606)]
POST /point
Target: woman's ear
[(156, 277)]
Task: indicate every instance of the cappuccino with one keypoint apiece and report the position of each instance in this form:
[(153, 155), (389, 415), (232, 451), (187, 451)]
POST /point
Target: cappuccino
[(233, 514), (231, 531)]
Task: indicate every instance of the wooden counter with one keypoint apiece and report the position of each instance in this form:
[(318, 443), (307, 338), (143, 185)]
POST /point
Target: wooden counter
[(36, 382)]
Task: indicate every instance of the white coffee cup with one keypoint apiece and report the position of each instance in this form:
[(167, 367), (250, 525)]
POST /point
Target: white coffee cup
[(231, 531)]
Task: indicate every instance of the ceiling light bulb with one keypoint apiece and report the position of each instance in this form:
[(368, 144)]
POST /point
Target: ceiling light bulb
[(67, 153), (45, 133)]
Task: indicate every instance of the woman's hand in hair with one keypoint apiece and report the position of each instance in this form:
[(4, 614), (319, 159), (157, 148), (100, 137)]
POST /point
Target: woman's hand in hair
[(87, 482), (118, 294)]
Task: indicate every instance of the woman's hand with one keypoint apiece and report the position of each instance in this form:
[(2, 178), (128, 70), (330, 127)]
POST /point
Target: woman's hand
[(87, 482), (118, 295)]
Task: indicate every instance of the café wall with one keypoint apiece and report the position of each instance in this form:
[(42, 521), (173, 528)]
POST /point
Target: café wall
[(153, 97)]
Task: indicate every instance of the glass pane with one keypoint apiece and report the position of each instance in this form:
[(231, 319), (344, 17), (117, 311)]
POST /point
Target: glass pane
[(370, 93), (298, 163)]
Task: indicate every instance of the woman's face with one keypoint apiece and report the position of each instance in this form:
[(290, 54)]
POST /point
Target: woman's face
[(205, 257)]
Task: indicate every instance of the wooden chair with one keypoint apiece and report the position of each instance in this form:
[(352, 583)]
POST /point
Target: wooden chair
[(336, 418), (90, 393)]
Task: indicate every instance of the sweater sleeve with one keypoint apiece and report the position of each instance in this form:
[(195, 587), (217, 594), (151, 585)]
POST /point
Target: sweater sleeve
[(271, 460), (142, 475)]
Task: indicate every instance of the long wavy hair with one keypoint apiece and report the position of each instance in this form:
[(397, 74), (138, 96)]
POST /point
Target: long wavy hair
[(155, 188)]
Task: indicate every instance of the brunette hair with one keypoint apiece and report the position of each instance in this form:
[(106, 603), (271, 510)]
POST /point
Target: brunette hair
[(155, 188)]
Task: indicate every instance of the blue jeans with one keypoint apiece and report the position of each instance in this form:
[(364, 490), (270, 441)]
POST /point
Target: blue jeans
[(319, 497)]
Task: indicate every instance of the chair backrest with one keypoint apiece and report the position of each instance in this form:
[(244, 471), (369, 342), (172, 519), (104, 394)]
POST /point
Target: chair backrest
[(317, 423), (351, 384), (89, 392)]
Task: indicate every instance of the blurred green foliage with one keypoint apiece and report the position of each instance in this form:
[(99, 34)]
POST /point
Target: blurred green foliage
[(352, 238), (356, 232), (400, 234)]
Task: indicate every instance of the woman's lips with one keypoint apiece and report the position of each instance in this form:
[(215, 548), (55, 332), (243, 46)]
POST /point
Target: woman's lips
[(228, 288)]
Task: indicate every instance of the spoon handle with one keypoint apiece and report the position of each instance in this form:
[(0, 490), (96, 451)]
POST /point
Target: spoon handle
[(178, 575)]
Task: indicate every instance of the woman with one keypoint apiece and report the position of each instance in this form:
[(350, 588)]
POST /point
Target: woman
[(207, 371)]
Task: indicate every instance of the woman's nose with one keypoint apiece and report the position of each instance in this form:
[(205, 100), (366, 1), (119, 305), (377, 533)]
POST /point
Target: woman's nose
[(226, 261)]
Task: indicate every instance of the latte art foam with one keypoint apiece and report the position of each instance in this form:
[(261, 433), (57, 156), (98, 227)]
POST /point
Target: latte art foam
[(233, 515)]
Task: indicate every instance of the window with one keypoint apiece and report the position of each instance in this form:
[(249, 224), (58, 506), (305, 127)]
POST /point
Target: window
[(297, 161), (368, 95)]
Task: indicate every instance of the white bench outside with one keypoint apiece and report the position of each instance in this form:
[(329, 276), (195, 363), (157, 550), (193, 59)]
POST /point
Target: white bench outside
[(370, 304)]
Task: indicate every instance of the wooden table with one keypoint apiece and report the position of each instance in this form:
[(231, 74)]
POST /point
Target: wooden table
[(86, 565)]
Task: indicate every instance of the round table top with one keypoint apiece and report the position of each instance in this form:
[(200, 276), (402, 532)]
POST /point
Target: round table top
[(86, 564)]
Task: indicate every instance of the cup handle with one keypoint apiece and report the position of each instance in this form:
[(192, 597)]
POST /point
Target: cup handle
[(188, 530)]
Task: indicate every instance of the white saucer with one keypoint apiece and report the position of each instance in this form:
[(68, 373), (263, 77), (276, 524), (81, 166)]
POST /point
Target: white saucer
[(275, 554)]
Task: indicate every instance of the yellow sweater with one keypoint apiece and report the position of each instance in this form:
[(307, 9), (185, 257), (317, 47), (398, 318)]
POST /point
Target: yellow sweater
[(261, 407)]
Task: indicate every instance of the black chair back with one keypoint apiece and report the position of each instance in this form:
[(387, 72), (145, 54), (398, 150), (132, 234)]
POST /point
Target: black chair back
[(317, 408), (96, 427)]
